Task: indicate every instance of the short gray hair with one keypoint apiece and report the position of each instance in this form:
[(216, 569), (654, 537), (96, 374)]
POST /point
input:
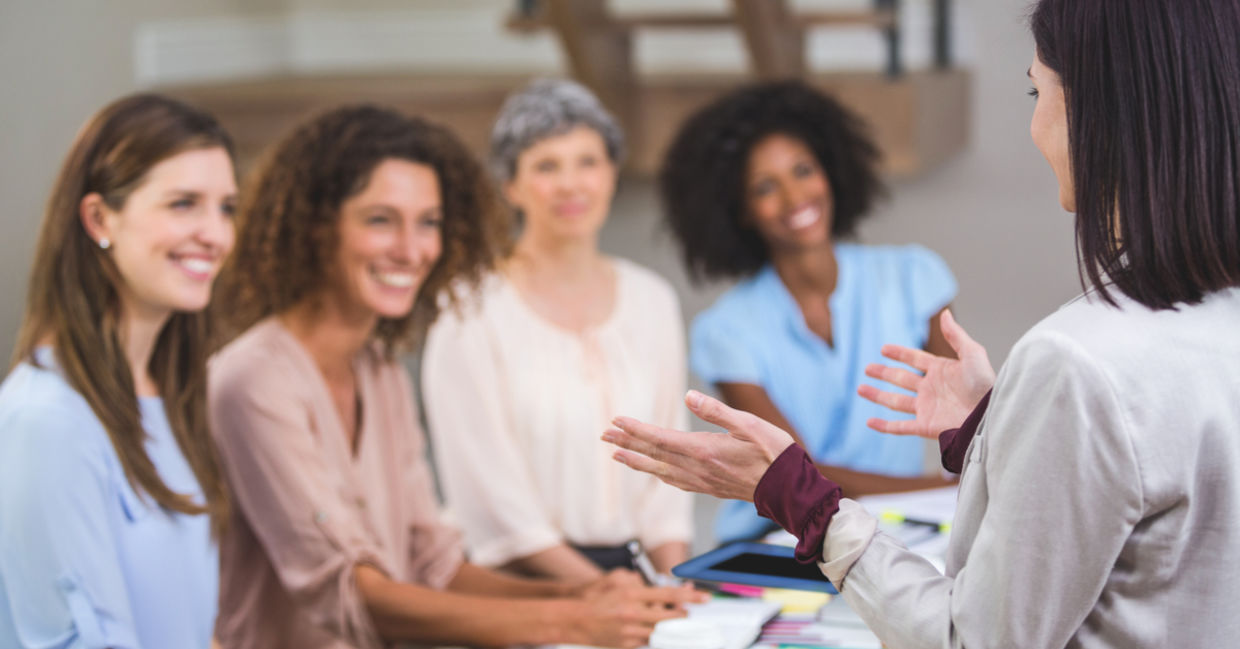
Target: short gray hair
[(544, 108)]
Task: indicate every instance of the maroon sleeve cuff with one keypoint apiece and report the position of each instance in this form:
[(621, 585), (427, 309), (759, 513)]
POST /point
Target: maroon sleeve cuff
[(793, 494), (953, 443)]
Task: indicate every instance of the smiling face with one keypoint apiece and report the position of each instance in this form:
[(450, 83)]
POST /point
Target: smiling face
[(390, 239), (172, 233), (787, 194), (563, 185), (1049, 128)]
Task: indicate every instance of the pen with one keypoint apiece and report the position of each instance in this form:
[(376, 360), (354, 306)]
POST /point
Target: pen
[(641, 561)]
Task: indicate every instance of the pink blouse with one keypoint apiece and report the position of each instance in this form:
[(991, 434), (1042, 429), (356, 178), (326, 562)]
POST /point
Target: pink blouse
[(306, 508)]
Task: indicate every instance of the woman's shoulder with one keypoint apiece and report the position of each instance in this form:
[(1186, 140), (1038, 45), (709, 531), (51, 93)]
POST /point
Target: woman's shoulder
[(47, 423), (893, 258), (644, 282), (36, 390), (1111, 333), (910, 281), (1164, 379), (1084, 328), (473, 311), (1149, 360), (263, 356), (467, 303), (753, 296)]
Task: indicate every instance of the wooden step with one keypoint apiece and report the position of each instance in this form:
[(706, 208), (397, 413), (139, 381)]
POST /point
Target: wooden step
[(879, 19), (919, 120)]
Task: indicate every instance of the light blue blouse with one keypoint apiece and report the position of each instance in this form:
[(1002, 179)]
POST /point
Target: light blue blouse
[(755, 333), (85, 562)]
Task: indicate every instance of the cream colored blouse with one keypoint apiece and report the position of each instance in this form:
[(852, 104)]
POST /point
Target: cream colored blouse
[(306, 508), (516, 405)]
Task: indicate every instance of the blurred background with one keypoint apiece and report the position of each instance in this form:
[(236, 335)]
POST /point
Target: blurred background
[(942, 84)]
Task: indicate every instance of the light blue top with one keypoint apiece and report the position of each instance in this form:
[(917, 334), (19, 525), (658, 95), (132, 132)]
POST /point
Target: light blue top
[(755, 333), (85, 562)]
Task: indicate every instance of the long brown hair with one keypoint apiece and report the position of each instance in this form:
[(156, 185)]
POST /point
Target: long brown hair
[(1153, 106), (73, 301), (288, 218)]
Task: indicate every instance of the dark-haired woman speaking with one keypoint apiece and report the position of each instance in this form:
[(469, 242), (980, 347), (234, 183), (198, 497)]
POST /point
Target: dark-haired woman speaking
[(763, 185), (1100, 494)]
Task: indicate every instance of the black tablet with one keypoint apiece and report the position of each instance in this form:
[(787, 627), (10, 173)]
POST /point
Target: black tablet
[(755, 564)]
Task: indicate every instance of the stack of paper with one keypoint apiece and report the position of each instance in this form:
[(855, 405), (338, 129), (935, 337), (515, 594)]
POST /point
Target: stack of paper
[(739, 620), (928, 505), (721, 623)]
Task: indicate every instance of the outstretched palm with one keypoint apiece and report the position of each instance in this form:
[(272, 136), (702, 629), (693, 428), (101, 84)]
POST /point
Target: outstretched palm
[(946, 391), (722, 465)]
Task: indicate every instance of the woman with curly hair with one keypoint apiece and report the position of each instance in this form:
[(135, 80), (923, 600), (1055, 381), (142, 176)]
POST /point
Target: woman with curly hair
[(352, 229), (763, 185), (555, 343), (110, 487)]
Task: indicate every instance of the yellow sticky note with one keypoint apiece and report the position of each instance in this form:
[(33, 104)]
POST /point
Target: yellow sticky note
[(796, 601)]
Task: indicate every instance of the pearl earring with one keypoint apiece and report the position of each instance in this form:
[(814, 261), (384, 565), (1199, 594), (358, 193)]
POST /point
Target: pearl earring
[(104, 243)]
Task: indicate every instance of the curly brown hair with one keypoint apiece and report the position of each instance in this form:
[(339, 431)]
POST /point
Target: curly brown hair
[(287, 222)]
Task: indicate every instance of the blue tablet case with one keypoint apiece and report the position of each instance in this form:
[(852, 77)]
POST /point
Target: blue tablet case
[(755, 564)]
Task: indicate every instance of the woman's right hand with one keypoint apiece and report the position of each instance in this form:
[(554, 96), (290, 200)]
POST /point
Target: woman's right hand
[(946, 392), (622, 614)]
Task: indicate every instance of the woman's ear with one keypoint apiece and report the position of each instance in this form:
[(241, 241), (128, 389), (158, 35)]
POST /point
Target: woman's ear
[(92, 212)]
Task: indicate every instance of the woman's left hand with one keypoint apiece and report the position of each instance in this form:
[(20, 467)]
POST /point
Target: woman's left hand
[(724, 465)]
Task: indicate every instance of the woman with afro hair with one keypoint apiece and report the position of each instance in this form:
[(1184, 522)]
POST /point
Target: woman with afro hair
[(763, 185)]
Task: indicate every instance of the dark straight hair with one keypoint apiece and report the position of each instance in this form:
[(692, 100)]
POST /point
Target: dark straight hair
[(1152, 89), (73, 299)]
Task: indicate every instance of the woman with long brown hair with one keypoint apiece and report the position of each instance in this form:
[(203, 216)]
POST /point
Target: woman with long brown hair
[(108, 479), (350, 232)]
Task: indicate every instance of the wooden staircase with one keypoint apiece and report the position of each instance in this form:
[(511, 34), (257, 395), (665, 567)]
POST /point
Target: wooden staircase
[(919, 118)]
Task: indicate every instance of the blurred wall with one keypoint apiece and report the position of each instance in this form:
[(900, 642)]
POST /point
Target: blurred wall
[(991, 213), (60, 60)]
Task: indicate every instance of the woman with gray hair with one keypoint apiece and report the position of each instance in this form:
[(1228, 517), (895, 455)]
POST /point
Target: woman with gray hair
[(517, 384)]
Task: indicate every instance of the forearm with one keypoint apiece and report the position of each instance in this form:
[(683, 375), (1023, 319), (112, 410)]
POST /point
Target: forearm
[(665, 556), (476, 580), (904, 599), (559, 562), (404, 612), (908, 603), (840, 537)]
